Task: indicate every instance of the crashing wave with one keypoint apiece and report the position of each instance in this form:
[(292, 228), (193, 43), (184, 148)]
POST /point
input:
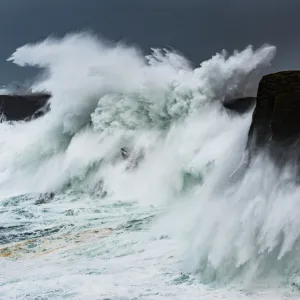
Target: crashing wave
[(169, 118)]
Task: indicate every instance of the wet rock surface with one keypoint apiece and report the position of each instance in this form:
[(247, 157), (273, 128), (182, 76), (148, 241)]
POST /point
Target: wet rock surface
[(24, 107), (276, 118)]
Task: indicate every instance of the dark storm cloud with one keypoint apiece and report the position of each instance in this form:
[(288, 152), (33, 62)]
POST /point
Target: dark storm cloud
[(197, 28)]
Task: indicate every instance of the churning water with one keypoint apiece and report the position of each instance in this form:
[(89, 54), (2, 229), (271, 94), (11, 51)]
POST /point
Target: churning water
[(175, 214)]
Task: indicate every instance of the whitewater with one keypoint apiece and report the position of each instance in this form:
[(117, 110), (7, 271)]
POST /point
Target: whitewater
[(182, 216)]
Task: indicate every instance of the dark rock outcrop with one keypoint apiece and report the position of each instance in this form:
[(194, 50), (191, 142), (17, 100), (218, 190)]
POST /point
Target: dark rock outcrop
[(276, 118), (44, 198), (24, 107), (125, 153), (240, 105)]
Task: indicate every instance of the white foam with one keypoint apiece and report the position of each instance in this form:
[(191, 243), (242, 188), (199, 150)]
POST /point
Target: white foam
[(160, 106)]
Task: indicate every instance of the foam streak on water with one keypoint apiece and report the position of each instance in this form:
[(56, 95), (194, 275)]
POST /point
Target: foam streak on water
[(180, 218)]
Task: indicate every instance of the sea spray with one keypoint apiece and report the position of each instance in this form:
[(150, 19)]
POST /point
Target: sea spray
[(110, 96)]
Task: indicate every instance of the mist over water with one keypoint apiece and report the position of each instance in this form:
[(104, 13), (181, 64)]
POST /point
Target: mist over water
[(191, 204)]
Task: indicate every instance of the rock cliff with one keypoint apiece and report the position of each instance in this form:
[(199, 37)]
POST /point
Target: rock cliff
[(276, 118), (23, 107)]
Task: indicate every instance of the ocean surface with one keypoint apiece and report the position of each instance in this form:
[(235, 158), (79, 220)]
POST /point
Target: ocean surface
[(136, 184)]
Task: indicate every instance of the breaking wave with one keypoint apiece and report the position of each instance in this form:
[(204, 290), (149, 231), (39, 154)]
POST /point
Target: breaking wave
[(185, 151)]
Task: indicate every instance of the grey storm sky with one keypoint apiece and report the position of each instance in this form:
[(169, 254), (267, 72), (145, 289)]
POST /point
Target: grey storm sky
[(196, 28)]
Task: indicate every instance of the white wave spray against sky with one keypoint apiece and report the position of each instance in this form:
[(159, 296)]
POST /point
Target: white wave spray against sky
[(225, 226)]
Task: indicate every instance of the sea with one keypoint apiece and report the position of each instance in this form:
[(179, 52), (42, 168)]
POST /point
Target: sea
[(137, 185)]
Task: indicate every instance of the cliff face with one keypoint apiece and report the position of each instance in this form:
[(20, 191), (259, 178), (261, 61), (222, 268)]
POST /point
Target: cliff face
[(276, 118), (23, 107)]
